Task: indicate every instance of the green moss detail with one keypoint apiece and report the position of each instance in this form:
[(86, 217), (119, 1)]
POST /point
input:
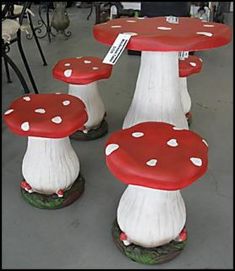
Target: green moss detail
[(92, 134), (148, 256), (53, 201)]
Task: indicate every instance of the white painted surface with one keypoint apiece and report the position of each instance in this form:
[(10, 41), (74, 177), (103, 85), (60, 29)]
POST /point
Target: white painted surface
[(151, 217), (50, 164), (157, 94), (184, 94), (90, 96), (131, 5)]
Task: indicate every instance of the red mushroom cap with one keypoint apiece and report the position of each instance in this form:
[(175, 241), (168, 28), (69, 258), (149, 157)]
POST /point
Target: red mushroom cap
[(156, 34), (81, 70), (156, 155), (46, 115), (190, 65)]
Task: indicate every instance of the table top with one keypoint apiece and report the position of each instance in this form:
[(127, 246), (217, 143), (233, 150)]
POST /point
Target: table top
[(157, 34)]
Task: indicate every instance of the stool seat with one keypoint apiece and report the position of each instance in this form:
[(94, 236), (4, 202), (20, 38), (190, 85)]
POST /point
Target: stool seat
[(50, 166), (190, 65), (81, 70), (157, 155), (46, 115)]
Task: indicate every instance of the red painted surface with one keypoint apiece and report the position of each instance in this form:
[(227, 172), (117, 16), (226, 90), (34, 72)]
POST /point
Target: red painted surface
[(123, 236), (186, 69), (73, 115), (84, 70), (173, 170), (183, 235), (181, 37)]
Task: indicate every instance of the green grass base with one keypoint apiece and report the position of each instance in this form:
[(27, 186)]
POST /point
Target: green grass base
[(92, 134), (53, 201), (148, 256)]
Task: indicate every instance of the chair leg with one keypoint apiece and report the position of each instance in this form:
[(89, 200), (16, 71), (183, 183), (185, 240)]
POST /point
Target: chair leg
[(37, 41), (25, 62), (8, 60), (7, 70)]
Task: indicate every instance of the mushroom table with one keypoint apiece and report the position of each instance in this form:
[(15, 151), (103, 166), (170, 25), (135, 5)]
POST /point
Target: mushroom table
[(82, 74), (155, 160), (51, 168), (187, 66), (156, 96)]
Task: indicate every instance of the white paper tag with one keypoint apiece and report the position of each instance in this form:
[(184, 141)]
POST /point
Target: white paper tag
[(172, 19), (183, 55), (117, 48)]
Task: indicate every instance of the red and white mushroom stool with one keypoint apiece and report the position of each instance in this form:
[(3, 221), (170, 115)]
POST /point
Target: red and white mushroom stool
[(187, 66), (156, 160), (50, 168), (82, 74)]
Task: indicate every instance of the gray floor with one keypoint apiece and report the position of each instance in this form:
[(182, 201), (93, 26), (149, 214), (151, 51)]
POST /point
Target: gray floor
[(79, 236)]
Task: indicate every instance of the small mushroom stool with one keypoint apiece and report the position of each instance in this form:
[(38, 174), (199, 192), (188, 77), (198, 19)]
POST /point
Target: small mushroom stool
[(82, 74), (50, 168), (155, 160), (187, 67)]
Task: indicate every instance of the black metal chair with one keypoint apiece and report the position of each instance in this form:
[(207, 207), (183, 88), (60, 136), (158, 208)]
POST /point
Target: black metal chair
[(9, 23)]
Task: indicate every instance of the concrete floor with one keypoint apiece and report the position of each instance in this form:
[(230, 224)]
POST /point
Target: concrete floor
[(79, 236)]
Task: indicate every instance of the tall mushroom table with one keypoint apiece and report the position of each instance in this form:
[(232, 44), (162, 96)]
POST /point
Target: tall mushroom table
[(156, 160), (156, 96), (50, 167)]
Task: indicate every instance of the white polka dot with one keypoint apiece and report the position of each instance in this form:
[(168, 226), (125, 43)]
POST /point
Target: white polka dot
[(25, 126), (177, 128), (172, 142), (87, 61), (152, 162), (208, 34), (164, 28), (9, 111), (111, 148), (40, 110), (200, 59), (68, 73), (95, 68), (27, 98), (67, 64), (137, 134), (66, 102), (79, 57), (208, 25), (193, 64), (204, 141), (130, 33), (57, 93), (116, 26), (131, 21), (141, 18), (57, 119), (196, 161)]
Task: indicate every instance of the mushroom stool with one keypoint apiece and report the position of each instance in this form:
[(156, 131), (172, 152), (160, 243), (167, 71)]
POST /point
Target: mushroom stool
[(50, 168), (82, 73), (155, 160), (187, 66)]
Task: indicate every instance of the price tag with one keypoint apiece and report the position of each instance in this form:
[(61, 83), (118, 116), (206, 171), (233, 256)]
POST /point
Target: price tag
[(117, 48), (183, 55), (172, 19)]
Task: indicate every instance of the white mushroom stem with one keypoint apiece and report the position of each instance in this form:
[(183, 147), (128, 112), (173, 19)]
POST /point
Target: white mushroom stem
[(157, 95), (50, 164), (185, 97), (151, 217), (90, 96)]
